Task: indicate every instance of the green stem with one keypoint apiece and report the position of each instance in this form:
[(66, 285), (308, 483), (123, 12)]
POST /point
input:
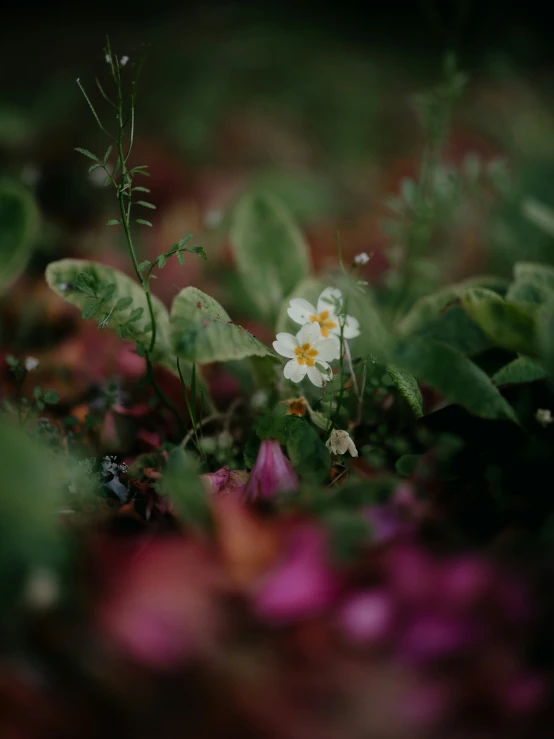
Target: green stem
[(162, 396)]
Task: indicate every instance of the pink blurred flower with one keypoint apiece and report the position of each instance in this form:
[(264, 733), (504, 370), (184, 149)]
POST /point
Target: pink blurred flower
[(272, 473), (225, 480), (303, 583), (157, 599), (367, 617)]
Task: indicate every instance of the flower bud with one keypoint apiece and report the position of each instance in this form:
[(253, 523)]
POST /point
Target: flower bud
[(272, 473)]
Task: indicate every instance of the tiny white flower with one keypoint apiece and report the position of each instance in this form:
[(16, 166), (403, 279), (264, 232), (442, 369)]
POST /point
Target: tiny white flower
[(339, 442), (31, 363), (259, 399), (544, 416), (361, 259), (309, 354), (123, 61), (108, 59), (329, 305)]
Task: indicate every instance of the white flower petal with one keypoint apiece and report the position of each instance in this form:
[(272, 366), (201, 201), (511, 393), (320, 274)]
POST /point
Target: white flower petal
[(316, 377), (294, 371), (309, 333), (328, 300), (327, 349), (300, 310), (351, 328), (285, 344)]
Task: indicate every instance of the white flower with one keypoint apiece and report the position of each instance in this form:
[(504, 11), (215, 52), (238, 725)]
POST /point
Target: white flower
[(361, 259), (329, 306), (544, 416), (31, 363), (339, 442), (309, 353), (123, 61), (108, 59)]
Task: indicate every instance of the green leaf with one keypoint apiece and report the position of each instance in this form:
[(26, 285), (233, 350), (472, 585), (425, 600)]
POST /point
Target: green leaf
[(456, 378), (161, 261), (91, 308), (408, 387), (113, 222), (107, 154), (183, 486), (137, 313), (87, 153), (545, 325), (181, 258), (62, 277), (541, 215), (520, 371), (143, 222), (19, 222), (145, 204), (307, 452), (32, 495), (122, 303), (139, 188), (407, 464), (426, 310), (374, 341), (509, 326), (533, 283), (144, 265), (201, 331), (271, 253), (51, 396)]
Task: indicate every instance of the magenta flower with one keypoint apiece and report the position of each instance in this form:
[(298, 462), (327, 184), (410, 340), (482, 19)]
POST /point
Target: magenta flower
[(272, 473), (303, 584)]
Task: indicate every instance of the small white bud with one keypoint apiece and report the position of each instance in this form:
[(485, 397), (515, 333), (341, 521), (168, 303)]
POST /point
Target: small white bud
[(259, 399), (339, 442), (123, 61), (108, 59), (31, 363), (544, 417), (42, 589), (361, 259)]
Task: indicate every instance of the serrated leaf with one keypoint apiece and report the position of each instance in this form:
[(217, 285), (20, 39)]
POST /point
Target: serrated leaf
[(545, 331), (145, 204), (161, 261), (520, 371), (19, 222), (201, 331), (91, 308), (62, 278), (136, 313), (425, 311), (108, 291), (509, 326), (408, 388), (271, 253), (181, 258), (533, 283), (455, 376), (122, 303), (87, 153), (143, 222), (185, 240)]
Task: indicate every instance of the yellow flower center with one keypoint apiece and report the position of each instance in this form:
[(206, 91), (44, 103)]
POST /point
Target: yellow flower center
[(305, 354), (325, 323)]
